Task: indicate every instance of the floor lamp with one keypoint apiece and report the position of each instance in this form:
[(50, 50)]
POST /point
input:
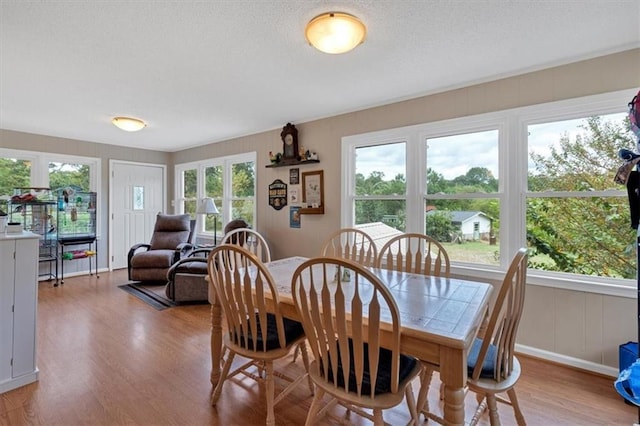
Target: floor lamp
[(206, 206)]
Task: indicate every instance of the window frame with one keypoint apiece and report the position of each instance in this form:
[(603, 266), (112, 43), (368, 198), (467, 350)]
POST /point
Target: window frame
[(512, 125)]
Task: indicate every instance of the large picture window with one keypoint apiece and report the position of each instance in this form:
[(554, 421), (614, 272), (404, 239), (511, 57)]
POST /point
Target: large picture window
[(539, 177)]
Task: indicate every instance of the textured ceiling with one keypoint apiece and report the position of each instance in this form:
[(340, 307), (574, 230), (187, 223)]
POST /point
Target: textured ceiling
[(205, 71)]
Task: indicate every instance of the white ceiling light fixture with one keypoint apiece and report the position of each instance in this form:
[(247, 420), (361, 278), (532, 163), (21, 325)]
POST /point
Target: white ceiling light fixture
[(129, 124), (335, 32)]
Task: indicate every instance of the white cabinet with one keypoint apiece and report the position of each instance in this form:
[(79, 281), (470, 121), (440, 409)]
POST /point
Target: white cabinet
[(18, 306)]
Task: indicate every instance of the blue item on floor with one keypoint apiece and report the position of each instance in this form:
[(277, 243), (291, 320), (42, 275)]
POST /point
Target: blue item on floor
[(628, 353), (628, 383), (629, 377)]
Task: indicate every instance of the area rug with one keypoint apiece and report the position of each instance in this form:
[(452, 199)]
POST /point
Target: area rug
[(152, 295)]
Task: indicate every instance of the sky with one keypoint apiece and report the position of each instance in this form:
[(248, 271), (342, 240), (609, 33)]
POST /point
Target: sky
[(452, 156)]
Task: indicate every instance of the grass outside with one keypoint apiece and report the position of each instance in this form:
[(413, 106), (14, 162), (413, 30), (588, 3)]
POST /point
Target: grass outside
[(483, 253), (474, 252)]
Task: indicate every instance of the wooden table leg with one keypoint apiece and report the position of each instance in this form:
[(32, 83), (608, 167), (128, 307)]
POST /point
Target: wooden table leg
[(216, 337), (453, 373)]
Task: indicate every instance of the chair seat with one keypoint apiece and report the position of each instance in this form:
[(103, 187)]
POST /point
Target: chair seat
[(293, 331), (489, 365), (153, 259), (490, 385), (193, 267), (383, 381)]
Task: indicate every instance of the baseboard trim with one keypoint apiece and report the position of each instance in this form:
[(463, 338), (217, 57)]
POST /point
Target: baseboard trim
[(568, 360)]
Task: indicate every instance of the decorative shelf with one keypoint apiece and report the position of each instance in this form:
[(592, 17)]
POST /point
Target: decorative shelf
[(292, 163)]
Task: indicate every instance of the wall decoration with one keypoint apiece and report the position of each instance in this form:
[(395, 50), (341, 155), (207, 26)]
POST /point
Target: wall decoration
[(289, 137), (294, 217), (278, 194), (313, 192), (294, 176), (294, 195)]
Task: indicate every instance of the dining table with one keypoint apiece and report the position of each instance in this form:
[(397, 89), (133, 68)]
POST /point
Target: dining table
[(440, 318)]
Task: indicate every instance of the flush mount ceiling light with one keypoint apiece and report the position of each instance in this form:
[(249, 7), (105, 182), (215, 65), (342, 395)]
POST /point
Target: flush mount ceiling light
[(129, 124), (335, 32)]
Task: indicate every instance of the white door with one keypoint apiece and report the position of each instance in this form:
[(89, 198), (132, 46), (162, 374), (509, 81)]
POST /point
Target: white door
[(137, 194)]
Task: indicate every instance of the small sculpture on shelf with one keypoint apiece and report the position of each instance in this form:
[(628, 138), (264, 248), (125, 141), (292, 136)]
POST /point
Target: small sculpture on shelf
[(275, 158)]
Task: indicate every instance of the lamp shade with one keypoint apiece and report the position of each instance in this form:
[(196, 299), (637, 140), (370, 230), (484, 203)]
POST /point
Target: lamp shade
[(335, 32), (207, 206), (129, 124)]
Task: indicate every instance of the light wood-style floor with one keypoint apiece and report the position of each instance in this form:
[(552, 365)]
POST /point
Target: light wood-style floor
[(107, 358)]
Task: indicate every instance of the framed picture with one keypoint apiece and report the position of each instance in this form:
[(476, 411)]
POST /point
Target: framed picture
[(277, 194), (294, 176), (289, 136), (313, 192), (294, 217), (294, 195)]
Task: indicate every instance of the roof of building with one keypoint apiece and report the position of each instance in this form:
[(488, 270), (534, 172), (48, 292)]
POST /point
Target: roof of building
[(460, 216), (379, 232)]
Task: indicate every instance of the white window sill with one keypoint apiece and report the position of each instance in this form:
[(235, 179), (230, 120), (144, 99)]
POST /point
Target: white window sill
[(596, 285)]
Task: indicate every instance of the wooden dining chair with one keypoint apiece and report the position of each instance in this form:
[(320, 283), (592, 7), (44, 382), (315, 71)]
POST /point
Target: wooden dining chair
[(493, 368), (419, 254), (353, 244), (256, 329), (250, 240), (415, 253), (349, 243), (342, 321)]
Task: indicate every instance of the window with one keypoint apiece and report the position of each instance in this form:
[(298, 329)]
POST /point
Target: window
[(577, 217), (214, 189), (538, 176), (380, 185), (243, 190), (75, 175), (229, 181), (190, 192), (23, 169), (462, 188), (14, 173), (27, 169)]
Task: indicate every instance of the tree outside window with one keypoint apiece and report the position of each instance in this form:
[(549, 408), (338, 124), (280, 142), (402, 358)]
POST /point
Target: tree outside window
[(578, 220)]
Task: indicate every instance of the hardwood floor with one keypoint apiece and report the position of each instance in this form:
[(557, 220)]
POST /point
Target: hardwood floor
[(107, 358)]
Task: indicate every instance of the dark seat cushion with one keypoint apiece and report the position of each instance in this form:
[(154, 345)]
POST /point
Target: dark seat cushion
[(193, 267), (489, 364), (383, 381), (153, 259), (292, 331)]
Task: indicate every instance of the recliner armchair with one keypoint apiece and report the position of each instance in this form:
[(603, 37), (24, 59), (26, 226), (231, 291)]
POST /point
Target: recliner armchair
[(186, 279), (172, 240)]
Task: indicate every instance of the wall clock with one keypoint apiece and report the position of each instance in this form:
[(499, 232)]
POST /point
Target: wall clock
[(289, 136)]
